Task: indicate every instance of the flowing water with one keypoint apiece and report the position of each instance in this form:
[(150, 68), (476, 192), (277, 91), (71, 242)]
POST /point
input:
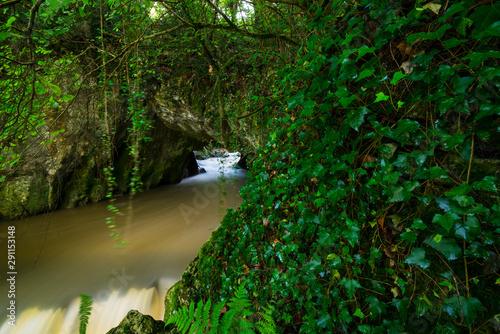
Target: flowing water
[(63, 254)]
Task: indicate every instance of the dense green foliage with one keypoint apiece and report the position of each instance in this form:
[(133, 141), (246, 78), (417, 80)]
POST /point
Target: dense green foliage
[(372, 205), (370, 209)]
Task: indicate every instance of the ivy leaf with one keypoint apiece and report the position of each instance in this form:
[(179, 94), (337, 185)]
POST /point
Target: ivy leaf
[(469, 229), (492, 30), (296, 100), (313, 265), (459, 194), (438, 33), (381, 97), (446, 221), (487, 183), (477, 58), (446, 246), (358, 313), (486, 109), (420, 156), (402, 306), (410, 39), (437, 173), (417, 257), (449, 205), (323, 320), (357, 117), (342, 92), (67, 97), (376, 306), (409, 236), (365, 73), (352, 234), (449, 142), (463, 307), (308, 108), (350, 285), (460, 84), (364, 50), (346, 101), (418, 224), (398, 193), (453, 42), (477, 250), (397, 76), (453, 9)]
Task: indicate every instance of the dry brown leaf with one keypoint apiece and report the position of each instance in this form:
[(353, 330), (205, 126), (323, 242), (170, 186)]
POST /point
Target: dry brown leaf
[(408, 67), (404, 48), (366, 158), (433, 6)]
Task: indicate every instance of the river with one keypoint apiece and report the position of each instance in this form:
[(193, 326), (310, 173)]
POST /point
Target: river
[(63, 254)]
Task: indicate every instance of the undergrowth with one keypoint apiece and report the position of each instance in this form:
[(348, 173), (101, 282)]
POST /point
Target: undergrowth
[(207, 318)]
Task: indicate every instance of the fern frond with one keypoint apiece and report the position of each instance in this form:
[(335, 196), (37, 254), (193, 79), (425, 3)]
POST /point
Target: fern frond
[(84, 312), (182, 318), (215, 318), (197, 321), (266, 324), (207, 320), (188, 318), (205, 317), (226, 321), (242, 326), (240, 300)]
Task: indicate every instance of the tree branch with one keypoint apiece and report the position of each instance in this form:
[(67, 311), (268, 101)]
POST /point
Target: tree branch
[(9, 3), (245, 32), (33, 12), (293, 3), (231, 24)]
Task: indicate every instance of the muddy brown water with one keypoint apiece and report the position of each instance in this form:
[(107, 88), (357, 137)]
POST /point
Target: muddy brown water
[(63, 254)]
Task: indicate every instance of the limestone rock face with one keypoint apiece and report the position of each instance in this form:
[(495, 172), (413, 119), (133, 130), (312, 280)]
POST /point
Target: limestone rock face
[(136, 322), (177, 114), (62, 165)]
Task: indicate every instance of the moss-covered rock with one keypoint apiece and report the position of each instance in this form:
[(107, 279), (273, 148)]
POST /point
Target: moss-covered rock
[(178, 295), (25, 195), (138, 323)]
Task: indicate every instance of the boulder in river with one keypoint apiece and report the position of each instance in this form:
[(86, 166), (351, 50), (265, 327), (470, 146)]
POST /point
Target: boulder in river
[(136, 322)]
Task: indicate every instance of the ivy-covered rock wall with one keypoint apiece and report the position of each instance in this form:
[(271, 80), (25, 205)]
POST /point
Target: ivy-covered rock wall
[(374, 205)]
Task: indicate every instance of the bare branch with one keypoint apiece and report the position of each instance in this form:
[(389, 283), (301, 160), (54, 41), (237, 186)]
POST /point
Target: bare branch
[(17, 62), (231, 24), (33, 12)]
